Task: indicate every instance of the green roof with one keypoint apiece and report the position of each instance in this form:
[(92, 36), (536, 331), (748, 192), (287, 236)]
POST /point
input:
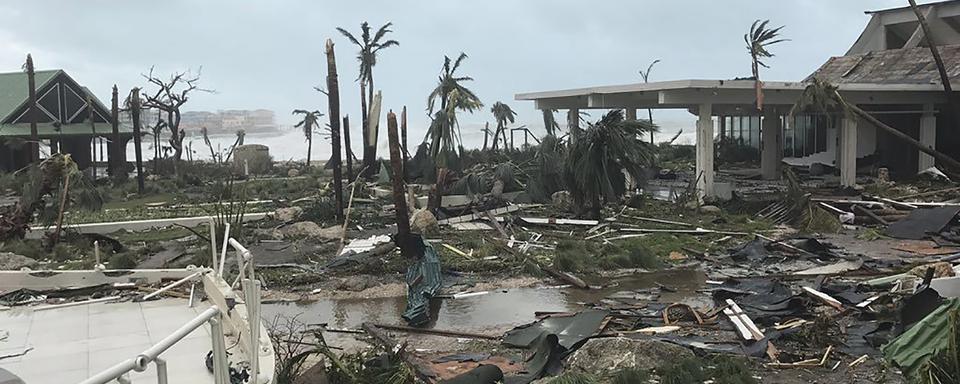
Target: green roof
[(47, 130), (14, 89)]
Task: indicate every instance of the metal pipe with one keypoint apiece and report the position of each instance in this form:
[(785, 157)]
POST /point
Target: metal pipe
[(252, 293), (96, 253), (213, 243), (220, 374), (111, 373), (223, 252), (153, 352), (161, 370), (173, 285), (76, 303)]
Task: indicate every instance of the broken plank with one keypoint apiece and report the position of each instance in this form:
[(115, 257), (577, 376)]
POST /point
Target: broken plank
[(479, 215), (825, 298)]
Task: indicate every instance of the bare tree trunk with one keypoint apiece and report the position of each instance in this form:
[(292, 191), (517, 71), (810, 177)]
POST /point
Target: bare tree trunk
[(403, 141), (116, 166), (396, 159), (375, 133), (309, 144), (941, 68), (135, 116), (93, 138), (650, 117), (346, 145), (333, 99), (63, 206), (32, 92), (364, 130), (486, 134), (496, 136)]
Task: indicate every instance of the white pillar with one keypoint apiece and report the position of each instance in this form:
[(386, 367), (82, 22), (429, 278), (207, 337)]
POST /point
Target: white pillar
[(848, 152), (928, 136), (705, 151), (771, 145)]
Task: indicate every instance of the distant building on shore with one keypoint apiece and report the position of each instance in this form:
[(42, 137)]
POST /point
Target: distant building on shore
[(229, 121)]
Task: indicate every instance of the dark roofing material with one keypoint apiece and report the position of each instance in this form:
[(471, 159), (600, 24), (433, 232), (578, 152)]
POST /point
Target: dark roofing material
[(894, 66)]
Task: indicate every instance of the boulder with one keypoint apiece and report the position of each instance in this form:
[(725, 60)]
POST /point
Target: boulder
[(424, 222), (293, 172), (616, 353), (287, 214), (309, 230), (14, 262), (562, 199), (711, 209), (357, 283)]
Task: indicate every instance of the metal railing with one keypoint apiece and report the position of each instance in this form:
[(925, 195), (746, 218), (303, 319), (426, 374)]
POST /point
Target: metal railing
[(220, 295), (141, 362)]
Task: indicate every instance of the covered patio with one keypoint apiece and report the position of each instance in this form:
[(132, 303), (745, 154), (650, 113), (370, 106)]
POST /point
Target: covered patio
[(717, 104)]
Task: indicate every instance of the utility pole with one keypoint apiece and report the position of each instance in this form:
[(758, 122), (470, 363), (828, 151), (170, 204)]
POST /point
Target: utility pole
[(135, 116)]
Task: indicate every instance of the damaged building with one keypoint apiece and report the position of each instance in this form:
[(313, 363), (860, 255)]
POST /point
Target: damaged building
[(888, 72), (62, 116)]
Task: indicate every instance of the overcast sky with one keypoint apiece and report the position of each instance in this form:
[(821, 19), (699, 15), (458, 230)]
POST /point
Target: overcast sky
[(269, 54)]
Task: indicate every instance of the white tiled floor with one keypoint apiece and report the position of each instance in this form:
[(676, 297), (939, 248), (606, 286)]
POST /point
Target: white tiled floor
[(71, 344)]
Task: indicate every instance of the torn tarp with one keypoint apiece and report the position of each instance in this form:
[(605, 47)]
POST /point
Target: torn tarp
[(571, 330), (921, 222), (765, 301), (916, 346), (423, 284)]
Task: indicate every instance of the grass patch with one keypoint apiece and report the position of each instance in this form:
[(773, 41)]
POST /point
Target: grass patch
[(582, 256), (719, 369)]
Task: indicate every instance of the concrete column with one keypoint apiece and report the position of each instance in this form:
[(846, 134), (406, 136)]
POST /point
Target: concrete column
[(928, 136), (771, 145), (848, 152), (631, 114), (705, 151)]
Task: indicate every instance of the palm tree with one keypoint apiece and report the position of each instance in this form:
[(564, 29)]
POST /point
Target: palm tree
[(453, 96), (759, 38), (596, 161), (369, 48), (503, 114), (823, 97), (646, 79), (550, 122), (308, 123)]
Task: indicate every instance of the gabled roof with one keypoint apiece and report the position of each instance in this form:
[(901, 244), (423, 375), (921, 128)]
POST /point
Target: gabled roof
[(14, 88), (894, 66)]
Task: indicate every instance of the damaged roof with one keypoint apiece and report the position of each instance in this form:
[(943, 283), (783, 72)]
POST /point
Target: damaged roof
[(894, 66)]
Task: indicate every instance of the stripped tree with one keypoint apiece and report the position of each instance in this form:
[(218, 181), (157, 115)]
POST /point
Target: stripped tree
[(169, 97), (308, 124), (646, 79), (758, 40), (369, 46), (32, 94), (333, 100)]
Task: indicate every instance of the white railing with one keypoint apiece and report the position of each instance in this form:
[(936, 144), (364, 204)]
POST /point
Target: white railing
[(140, 362), (222, 322)]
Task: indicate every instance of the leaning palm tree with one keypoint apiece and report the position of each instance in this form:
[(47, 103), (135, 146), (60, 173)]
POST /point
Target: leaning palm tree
[(550, 122), (503, 114), (758, 40), (596, 161), (453, 97), (646, 79), (367, 57), (308, 123), (824, 98)]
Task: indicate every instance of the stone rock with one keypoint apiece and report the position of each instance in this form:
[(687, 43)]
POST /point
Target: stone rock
[(424, 222), (152, 177), (712, 209), (309, 230), (287, 214), (293, 172), (562, 199), (357, 283), (611, 354), (14, 262)]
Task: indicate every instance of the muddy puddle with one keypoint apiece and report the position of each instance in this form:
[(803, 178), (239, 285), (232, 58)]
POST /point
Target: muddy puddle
[(492, 313)]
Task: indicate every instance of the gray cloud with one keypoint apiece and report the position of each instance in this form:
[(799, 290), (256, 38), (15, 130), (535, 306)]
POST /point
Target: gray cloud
[(268, 54)]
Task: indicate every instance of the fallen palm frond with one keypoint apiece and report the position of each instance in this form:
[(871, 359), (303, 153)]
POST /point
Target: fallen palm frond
[(944, 366)]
